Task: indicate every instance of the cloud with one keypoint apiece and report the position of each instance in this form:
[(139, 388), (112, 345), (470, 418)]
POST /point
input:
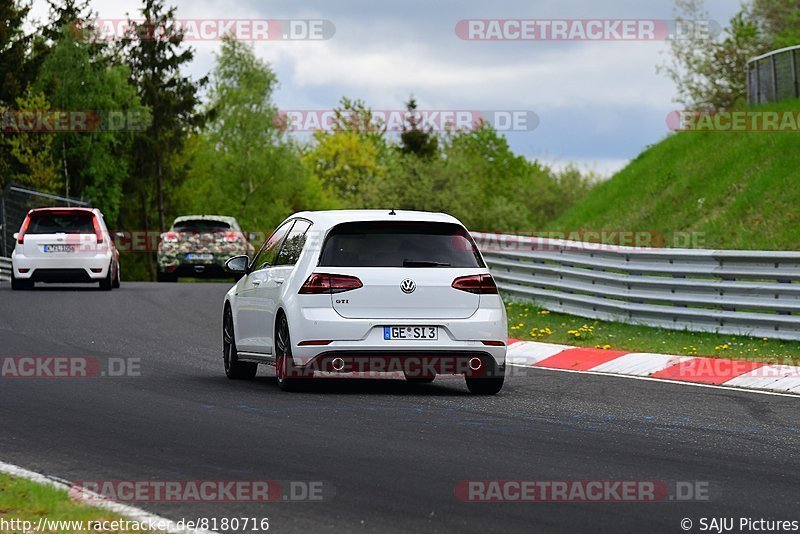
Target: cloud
[(600, 101)]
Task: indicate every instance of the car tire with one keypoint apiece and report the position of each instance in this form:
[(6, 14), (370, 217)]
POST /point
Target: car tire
[(19, 285), (234, 369), (485, 386), (289, 376), (117, 279), (166, 277), (107, 283)]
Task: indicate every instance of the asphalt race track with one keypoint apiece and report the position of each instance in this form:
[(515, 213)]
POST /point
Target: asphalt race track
[(389, 453)]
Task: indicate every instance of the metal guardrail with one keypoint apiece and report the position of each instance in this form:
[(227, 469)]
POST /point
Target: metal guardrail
[(754, 293), (773, 77), (5, 269)]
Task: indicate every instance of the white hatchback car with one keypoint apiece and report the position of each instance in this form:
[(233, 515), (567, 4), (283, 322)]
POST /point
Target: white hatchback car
[(366, 291), (64, 245)]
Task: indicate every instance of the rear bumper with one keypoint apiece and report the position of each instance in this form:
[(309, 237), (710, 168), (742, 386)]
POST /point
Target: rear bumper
[(358, 337), (61, 269), (412, 364)]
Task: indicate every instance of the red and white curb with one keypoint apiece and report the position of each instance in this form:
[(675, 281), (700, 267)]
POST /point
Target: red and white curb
[(153, 522), (685, 369)]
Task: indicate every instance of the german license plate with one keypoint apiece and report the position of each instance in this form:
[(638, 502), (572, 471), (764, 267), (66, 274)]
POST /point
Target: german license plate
[(410, 332), (59, 248), (199, 257)]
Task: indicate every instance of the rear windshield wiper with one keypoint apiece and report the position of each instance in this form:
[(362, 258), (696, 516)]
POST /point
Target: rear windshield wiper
[(419, 263)]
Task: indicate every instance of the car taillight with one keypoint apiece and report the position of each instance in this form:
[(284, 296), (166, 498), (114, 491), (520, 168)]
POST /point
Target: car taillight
[(317, 284), (98, 231), (21, 236), (169, 237), (480, 284), (231, 237)]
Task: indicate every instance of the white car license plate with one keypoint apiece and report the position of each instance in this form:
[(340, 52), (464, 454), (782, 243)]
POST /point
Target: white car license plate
[(202, 257), (410, 332), (59, 248)]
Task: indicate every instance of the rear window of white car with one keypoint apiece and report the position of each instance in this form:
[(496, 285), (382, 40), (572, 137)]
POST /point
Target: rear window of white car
[(47, 223), (399, 244)]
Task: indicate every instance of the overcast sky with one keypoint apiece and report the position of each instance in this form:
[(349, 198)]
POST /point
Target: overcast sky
[(598, 103)]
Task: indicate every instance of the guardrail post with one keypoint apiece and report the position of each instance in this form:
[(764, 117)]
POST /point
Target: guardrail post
[(758, 83), (774, 79)]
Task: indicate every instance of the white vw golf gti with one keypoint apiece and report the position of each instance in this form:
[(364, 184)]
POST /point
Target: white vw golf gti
[(366, 291)]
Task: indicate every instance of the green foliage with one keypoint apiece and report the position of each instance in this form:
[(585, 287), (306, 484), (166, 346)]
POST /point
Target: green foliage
[(171, 96), (232, 154), (351, 160), (473, 174), (241, 162), (32, 152), (778, 21), (95, 164), (414, 139), (710, 72), (14, 47)]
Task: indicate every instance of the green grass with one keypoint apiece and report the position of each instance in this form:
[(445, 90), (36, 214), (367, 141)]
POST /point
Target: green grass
[(733, 190), (527, 322), (28, 501)]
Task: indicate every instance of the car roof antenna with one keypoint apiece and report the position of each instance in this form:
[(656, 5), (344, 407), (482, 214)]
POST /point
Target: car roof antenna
[(392, 212)]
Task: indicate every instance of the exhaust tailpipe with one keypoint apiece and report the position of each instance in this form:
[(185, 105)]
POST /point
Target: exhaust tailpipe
[(475, 364), (337, 364)]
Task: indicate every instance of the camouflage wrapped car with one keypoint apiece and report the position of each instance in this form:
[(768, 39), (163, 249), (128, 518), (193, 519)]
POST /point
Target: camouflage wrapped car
[(198, 246)]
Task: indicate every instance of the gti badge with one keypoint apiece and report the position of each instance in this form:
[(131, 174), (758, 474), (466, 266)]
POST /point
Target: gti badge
[(408, 286)]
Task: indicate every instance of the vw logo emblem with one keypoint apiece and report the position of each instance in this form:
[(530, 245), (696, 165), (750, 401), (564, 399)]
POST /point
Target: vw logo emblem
[(408, 286)]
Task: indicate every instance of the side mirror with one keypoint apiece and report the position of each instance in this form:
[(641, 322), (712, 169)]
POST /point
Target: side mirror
[(16, 236), (237, 264)]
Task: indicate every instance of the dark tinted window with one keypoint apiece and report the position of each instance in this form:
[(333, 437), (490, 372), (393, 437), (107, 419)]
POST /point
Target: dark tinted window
[(293, 244), (269, 250), (46, 223), (400, 244), (199, 225)]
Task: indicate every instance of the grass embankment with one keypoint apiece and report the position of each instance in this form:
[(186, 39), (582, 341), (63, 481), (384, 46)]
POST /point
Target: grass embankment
[(735, 190), (23, 500), (726, 190), (527, 322)]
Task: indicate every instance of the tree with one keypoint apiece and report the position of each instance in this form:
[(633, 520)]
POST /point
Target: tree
[(14, 72), (350, 161), (154, 50), (778, 21), (414, 139), (709, 72), (241, 161), (70, 14), (14, 47), (77, 76), (32, 151), (155, 53)]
